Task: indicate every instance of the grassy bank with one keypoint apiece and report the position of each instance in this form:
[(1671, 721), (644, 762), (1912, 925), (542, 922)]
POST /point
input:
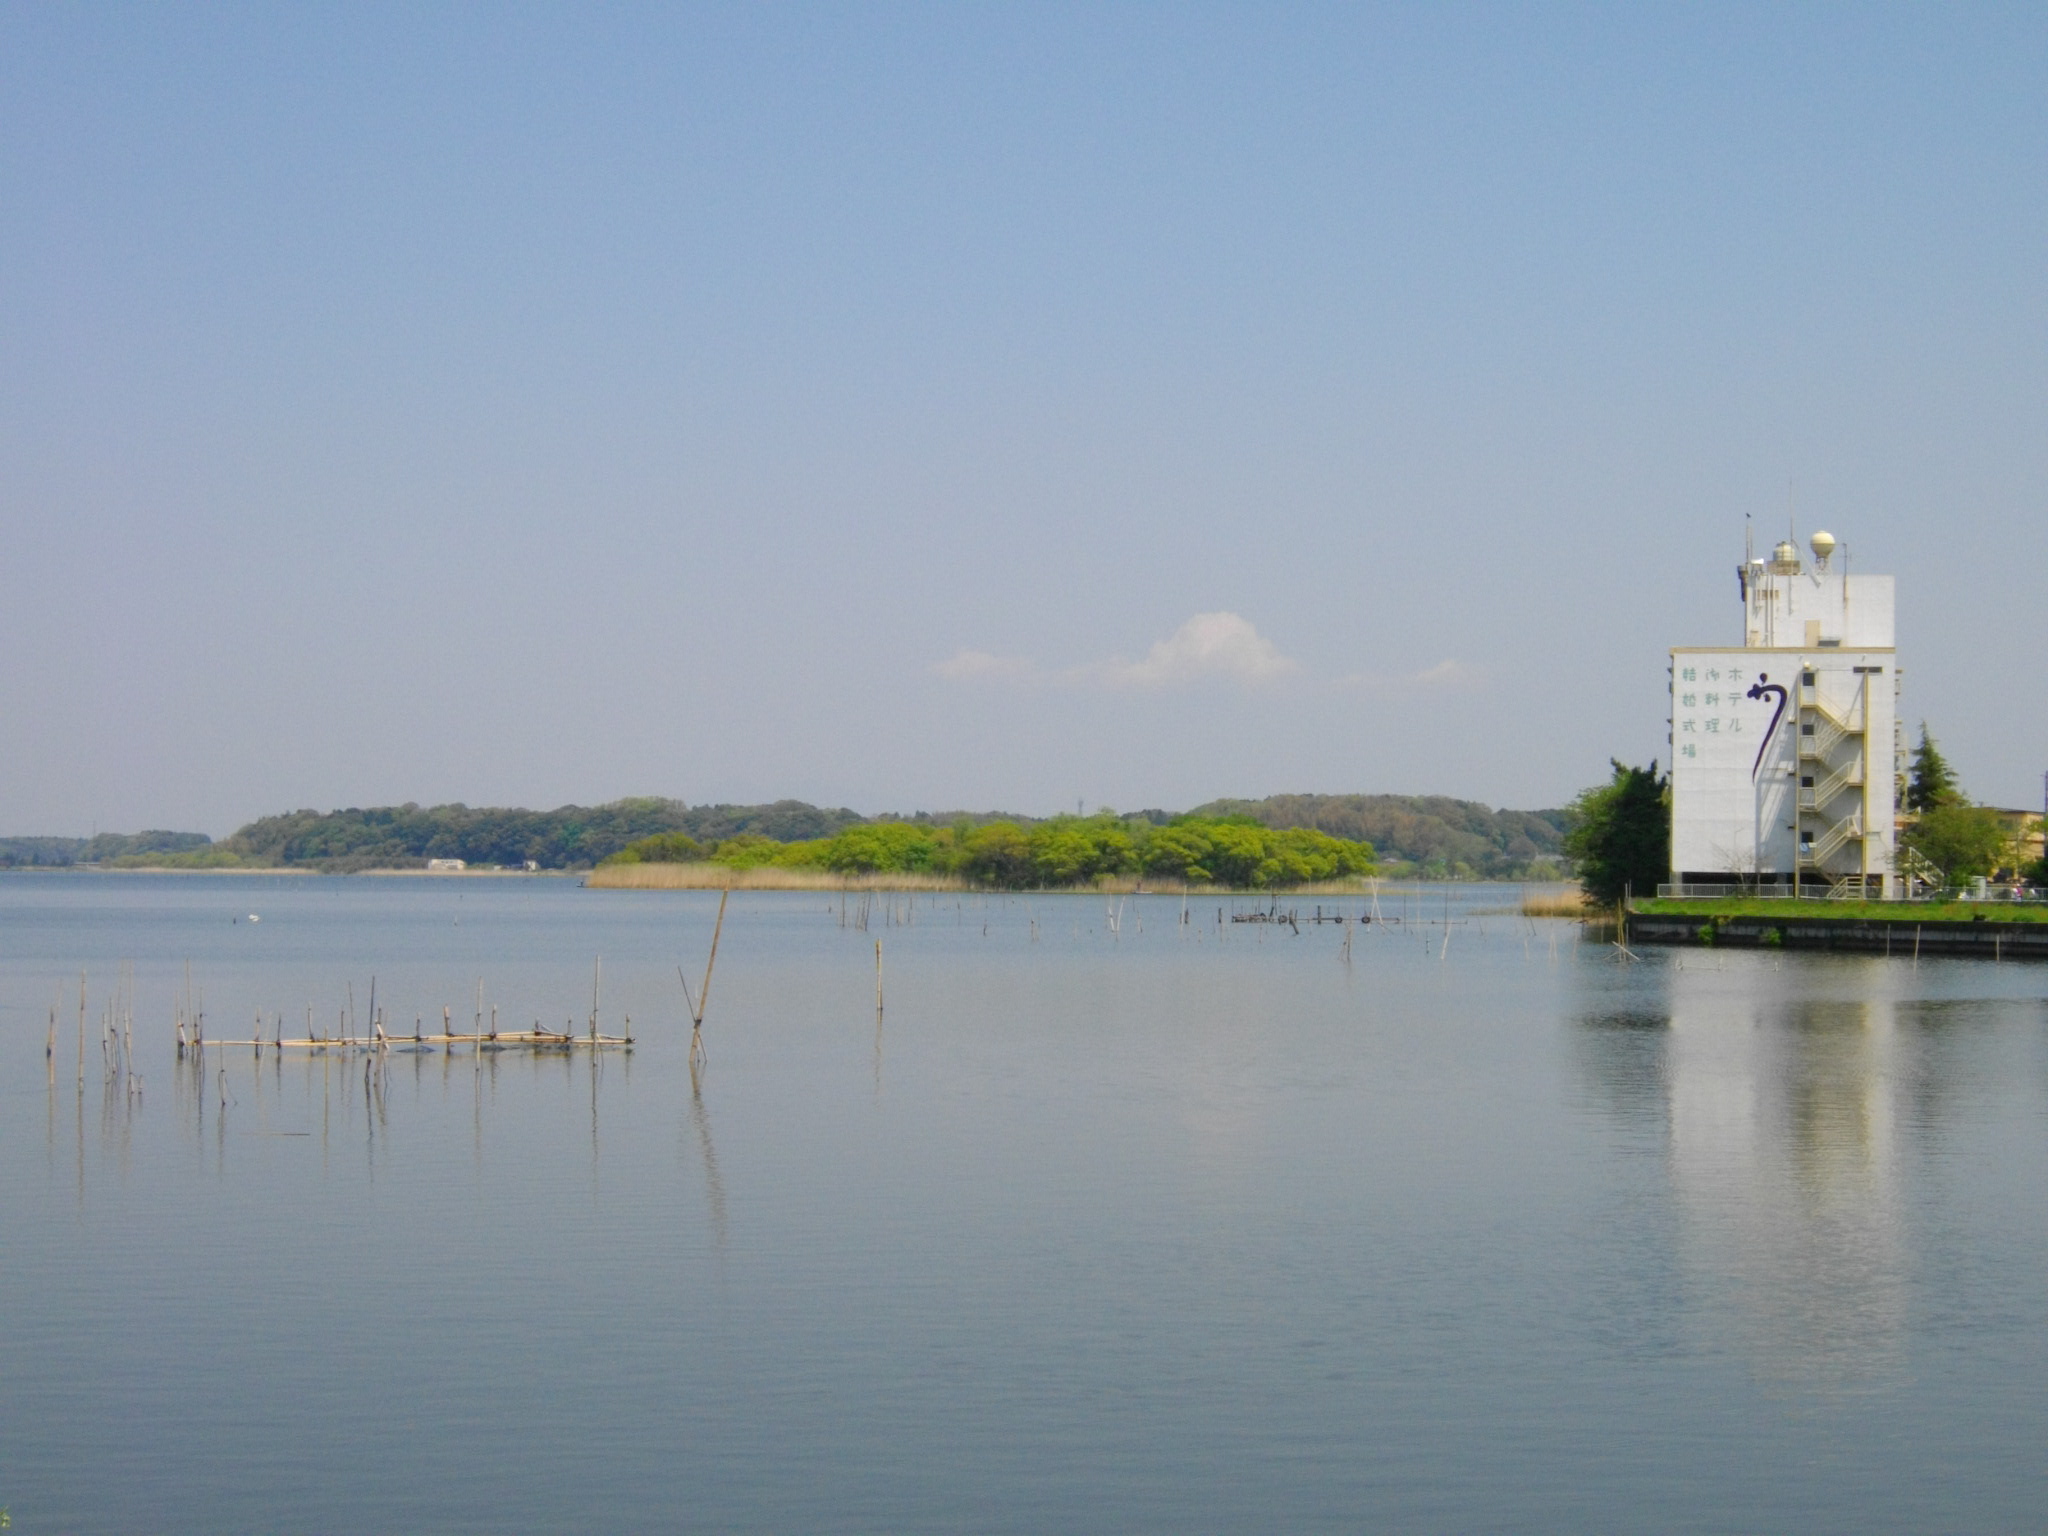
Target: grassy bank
[(1859, 911)]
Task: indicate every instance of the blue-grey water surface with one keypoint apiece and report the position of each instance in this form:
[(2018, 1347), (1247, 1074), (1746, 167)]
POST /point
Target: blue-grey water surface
[(1187, 1228)]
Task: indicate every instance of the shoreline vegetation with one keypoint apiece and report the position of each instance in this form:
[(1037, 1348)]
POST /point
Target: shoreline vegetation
[(706, 876), (1797, 909), (1283, 840), (1063, 852), (1559, 900)]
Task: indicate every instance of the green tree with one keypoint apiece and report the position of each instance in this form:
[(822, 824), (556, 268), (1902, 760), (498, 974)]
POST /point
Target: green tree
[(999, 854), (889, 847), (1180, 853), (1236, 850), (1961, 841), (662, 848), (1933, 782), (747, 851), (1070, 851), (1620, 834)]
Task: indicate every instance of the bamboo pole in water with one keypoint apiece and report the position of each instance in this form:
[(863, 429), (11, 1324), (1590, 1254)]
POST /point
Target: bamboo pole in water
[(718, 927), (878, 978)]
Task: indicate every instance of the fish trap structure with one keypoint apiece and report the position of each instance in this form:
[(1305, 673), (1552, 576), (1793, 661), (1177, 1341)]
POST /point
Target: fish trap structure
[(381, 1039), (535, 1039)]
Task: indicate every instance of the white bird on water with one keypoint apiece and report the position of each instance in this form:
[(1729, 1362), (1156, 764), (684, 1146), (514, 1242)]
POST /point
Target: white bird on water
[(254, 918)]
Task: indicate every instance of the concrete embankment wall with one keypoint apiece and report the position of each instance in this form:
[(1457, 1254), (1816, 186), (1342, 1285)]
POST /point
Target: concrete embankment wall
[(1987, 939)]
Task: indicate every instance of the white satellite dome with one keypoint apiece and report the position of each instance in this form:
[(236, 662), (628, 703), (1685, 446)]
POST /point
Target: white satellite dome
[(1823, 544)]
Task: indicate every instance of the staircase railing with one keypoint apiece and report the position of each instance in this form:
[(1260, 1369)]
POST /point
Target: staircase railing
[(1824, 847), (1912, 864), (1819, 735), (1849, 776)]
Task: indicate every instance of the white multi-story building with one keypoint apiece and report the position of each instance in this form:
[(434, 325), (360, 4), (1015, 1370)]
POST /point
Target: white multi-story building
[(1785, 750)]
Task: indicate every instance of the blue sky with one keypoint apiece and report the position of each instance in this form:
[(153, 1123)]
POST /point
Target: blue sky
[(923, 407)]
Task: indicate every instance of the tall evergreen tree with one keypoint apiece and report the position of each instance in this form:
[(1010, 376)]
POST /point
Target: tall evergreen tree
[(1933, 782), (1620, 835)]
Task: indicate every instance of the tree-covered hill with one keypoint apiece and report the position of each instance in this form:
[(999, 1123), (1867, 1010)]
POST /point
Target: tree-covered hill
[(1061, 852), (569, 837), (1429, 835), (106, 848), (1458, 839)]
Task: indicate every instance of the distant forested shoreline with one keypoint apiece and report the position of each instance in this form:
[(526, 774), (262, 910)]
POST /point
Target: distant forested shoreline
[(1281, 839)]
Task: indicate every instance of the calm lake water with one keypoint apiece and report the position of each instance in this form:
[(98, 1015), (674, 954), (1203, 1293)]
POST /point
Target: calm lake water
[(1179, 1228)]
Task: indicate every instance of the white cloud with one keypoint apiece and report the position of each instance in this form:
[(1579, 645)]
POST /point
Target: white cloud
[(1209, 646), (1221, 645)]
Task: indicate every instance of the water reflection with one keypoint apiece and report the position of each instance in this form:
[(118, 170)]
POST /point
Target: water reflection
[(700, 1121), (1780, 1138)]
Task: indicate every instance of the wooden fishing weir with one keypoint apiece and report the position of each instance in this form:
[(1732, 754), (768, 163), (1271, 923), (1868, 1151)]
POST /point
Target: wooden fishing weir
[(379, 1039), (1292, 917), (449, 1039)]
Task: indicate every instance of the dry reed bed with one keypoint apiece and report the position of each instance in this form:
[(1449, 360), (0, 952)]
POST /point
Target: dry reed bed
[(1554, 901)]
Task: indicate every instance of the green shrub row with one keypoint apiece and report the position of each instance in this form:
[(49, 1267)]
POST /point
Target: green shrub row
[(1066, 850)]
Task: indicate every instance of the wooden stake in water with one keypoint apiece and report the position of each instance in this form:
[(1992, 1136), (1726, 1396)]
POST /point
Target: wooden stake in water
[(704, 993), (81, 1030), (878, 978)]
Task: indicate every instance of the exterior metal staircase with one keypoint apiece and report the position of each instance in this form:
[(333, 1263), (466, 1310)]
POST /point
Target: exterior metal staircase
[(1824, 847), (1848, 776), (1821, 733), (1914, 865), (1821, 730)]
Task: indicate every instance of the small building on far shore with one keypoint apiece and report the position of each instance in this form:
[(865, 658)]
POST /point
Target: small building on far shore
[(1785, 750), (446, 866)]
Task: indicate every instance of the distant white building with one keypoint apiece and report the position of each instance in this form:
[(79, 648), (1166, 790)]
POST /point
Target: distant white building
[(447, 865), (1785, 751)]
